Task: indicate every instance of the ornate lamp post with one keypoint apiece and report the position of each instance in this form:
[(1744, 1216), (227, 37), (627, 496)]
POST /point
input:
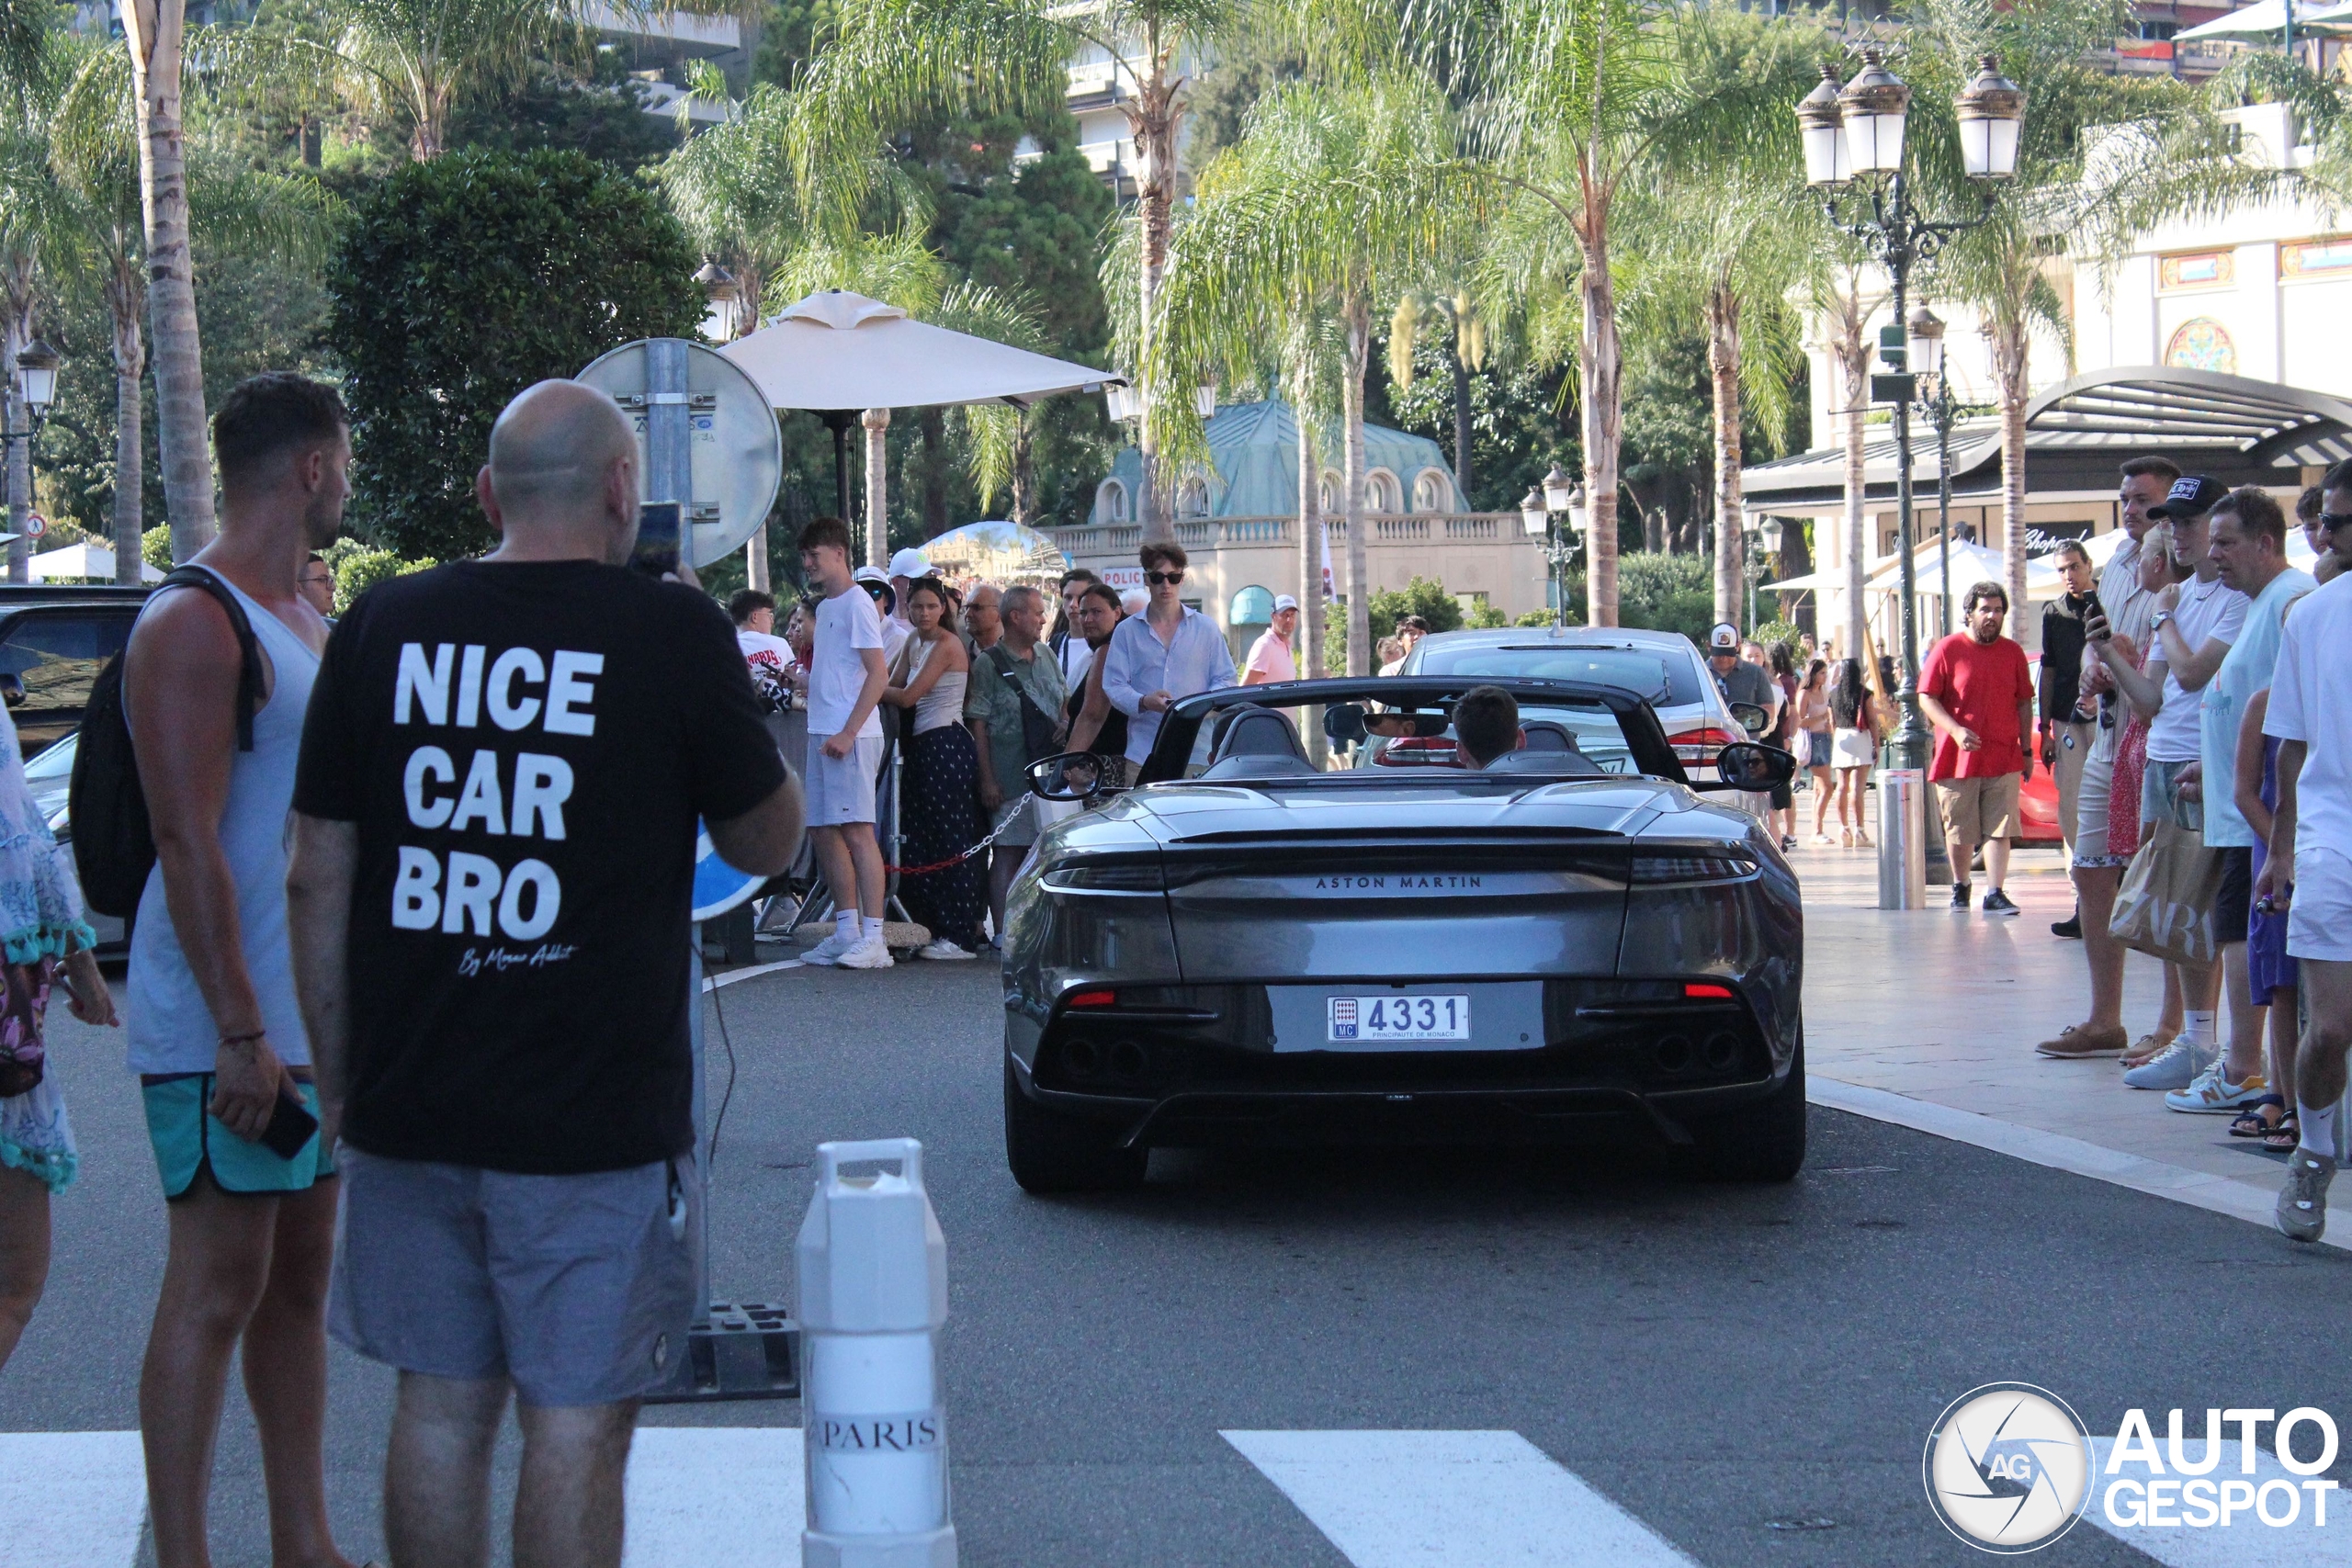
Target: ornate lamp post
[(1866, 160), (1924, 332), (1558, 495), (37, 372)]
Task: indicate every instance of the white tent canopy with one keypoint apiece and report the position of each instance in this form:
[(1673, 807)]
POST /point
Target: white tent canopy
[(2264, 22), (839, 353), (839, 350), (91, 562)]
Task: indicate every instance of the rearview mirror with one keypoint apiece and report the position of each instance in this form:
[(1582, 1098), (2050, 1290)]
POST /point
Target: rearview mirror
[(1072, 775), (1344, 722), (12, 689), (1742, 765), (1753, 719)]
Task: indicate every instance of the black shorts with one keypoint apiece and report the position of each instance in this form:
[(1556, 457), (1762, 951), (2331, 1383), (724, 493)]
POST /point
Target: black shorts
[(2234, 905), (1784, 796)]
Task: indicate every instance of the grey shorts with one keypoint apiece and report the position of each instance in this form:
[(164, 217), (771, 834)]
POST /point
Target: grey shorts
[(840, 790), (578, 1288)]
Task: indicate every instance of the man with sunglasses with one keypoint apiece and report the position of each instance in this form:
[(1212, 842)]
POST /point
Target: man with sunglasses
[(1171, 651)]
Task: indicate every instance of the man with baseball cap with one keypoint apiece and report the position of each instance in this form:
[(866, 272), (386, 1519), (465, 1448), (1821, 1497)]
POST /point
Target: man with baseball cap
[(877, 585), (1738, 681), (2195, 622), (1270, 658)]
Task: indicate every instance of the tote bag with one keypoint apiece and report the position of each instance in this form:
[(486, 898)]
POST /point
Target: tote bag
[(2164, 908)]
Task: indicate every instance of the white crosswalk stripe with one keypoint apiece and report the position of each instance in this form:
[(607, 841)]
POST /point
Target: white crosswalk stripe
[(700, 1495), (1449, 1500), (78, 1498), (2246, 1542)]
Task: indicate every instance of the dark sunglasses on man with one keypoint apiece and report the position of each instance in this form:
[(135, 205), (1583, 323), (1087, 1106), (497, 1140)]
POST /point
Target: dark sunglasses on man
[(2329, 522), (1161, 576)]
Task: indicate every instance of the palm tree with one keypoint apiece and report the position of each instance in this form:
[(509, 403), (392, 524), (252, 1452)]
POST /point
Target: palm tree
[(27, 82), (1845, 307), (73, 181), (1722, 230), (894, 60), (1453, 309), (1332, 197)]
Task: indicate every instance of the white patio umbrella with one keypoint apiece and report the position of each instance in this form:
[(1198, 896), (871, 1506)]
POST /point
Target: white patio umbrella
[(94, 562), (2264, 22), (837, 353)]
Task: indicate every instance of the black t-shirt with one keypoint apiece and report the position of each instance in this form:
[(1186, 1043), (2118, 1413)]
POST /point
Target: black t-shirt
[(525, 749)]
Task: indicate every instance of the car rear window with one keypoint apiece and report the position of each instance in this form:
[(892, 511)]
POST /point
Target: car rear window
[(58, 654), (1667, 682)]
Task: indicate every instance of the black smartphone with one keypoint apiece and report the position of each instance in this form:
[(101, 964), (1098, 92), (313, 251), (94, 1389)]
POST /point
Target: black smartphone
[(659, 526), (290, 1127), (2092, 609)]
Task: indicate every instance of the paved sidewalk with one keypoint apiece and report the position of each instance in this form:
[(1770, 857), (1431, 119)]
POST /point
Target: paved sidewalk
[(1944, 1010)]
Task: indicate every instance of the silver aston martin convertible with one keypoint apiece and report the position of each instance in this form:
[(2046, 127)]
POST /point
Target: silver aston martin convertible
[(1246, 948)]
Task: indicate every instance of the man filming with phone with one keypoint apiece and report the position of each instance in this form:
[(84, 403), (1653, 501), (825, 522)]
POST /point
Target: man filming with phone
[(494, 831)]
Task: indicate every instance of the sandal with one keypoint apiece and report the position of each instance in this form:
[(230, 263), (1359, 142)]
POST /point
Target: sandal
[(2249, 1123), (2283, 1138), (1846, 837)]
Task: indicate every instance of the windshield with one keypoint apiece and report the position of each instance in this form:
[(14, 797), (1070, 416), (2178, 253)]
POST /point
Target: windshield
[(1668, 681)]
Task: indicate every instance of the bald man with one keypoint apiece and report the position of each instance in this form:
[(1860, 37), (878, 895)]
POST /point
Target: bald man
[(494, 833)]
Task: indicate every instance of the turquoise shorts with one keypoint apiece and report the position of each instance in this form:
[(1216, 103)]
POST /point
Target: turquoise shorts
[(189, 1139)]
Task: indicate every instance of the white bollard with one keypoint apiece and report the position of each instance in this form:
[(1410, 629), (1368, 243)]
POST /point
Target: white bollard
[(873, 1270)]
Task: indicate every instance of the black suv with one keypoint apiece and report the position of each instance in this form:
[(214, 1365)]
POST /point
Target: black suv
[(53, 641)]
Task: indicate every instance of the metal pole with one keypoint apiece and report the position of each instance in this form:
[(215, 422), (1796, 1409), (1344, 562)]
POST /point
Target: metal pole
[(1943, 501)]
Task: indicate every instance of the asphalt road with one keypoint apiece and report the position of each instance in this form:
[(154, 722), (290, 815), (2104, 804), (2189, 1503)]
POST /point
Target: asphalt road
[(1726, 1363)]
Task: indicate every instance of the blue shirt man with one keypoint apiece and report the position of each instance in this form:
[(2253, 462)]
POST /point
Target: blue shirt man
[(1164, 654)]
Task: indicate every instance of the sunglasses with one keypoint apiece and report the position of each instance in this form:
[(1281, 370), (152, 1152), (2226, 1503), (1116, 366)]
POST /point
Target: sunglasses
[(2329, 522), (1163, 576)]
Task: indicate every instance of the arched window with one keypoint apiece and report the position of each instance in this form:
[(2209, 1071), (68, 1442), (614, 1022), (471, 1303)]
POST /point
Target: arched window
[(1432, 491), (1334, 492), (1253, 606), (2202, 343), (1111, 502), (1381, 492), (1193, 498)]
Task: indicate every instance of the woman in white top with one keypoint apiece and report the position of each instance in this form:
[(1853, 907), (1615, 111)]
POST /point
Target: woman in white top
[(941, 816)]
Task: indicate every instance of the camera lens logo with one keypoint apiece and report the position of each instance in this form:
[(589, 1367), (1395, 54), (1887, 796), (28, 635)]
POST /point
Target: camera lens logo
[(2009, 1467)]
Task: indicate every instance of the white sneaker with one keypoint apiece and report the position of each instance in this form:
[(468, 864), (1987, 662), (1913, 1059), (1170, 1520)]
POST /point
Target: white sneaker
[(2177, 1068), (2210, 1091), (828, 951), (943, 951), (871, 953)]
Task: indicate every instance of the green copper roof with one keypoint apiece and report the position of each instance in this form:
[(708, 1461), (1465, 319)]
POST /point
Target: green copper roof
[(1255, 449)]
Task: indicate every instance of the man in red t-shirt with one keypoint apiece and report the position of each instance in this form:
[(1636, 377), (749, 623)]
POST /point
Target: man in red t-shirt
[(1978, 693)]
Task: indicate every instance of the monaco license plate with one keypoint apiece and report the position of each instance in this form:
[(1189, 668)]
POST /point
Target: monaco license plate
[(1395, 1018)]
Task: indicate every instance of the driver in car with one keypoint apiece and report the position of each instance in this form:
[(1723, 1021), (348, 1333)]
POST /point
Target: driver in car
[(1485, 726)]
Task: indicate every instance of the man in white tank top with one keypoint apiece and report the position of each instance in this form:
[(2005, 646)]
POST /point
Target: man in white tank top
[(214, 1031)]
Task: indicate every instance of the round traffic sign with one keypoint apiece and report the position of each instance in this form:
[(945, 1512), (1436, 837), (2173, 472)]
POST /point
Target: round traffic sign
[(35, 526), (736, 450), (718, 887)]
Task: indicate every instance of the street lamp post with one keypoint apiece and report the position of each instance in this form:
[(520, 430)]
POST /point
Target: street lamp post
[(36, 375), (1853, 139), (1925, 332), (1557, 495)]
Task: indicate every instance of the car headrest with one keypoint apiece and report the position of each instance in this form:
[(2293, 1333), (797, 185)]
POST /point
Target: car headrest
[(1260, 732), (1549, 735), (1569, 764)]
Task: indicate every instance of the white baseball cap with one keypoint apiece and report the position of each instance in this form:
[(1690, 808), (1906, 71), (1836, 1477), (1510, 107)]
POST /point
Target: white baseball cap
[(1284, 602), (1724, 638), (910, 563)]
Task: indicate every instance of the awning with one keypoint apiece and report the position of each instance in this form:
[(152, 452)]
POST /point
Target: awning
[(2264, 22)]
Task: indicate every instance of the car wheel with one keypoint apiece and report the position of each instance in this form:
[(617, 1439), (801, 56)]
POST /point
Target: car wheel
[(1761, 1142), (1050, 1152)]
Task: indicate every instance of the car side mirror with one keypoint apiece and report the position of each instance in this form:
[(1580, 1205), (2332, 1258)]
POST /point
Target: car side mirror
[(1742, 765), (12, 689), (1748, 716), (1344, 722), (1072, 775)]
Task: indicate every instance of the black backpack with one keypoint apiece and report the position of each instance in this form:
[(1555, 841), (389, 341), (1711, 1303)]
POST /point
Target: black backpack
[(114, 845)]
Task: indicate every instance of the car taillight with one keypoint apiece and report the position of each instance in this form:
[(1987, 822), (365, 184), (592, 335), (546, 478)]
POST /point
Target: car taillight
[(1418, 752), (1701, 744)]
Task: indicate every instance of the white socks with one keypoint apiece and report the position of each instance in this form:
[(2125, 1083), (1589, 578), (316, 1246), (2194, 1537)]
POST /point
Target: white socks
[(2197, 1028), (2319, 1128), (845, 924), (871, 928)]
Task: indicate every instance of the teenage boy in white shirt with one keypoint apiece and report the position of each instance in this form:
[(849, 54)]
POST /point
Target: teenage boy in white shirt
[(846, 677)]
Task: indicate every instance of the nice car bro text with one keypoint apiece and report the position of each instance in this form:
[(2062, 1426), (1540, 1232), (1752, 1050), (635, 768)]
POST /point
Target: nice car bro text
[(458, 687)]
